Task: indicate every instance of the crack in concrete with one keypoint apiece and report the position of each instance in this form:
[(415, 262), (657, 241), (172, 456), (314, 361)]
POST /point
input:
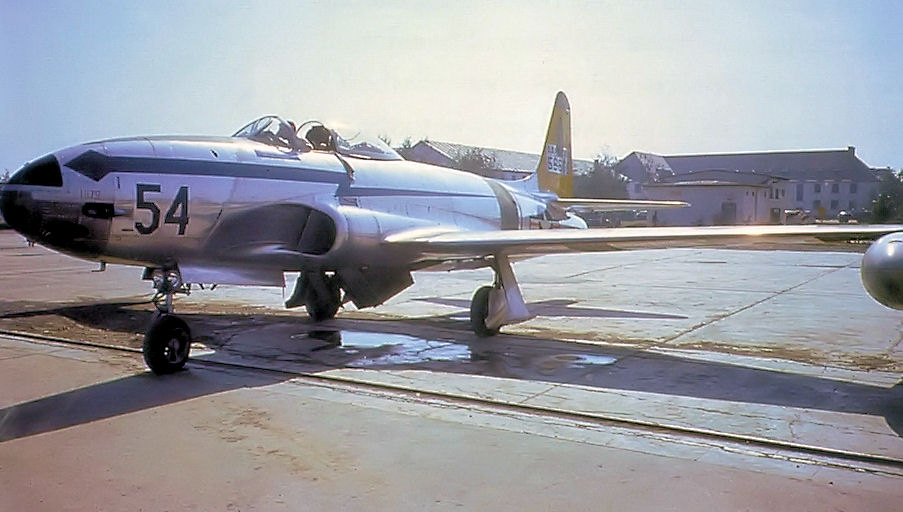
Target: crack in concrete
[(719, 318), (899, 340), (612, 267), (535, 395)]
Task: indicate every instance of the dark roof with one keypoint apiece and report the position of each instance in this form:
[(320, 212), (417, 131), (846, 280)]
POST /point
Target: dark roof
[(505, 159), (831, 164), (717, 177)]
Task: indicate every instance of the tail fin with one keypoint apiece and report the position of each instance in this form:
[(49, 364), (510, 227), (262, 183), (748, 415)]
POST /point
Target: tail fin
[(556, 166)]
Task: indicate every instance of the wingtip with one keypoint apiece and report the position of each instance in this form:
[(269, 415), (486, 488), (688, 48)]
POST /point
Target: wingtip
[(561, 101)]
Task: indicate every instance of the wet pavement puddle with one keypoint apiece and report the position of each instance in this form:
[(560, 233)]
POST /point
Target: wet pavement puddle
[(396, 348), (370, 350)]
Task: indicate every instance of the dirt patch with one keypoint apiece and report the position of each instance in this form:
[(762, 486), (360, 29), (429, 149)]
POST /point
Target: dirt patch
[(867, 362), (124, 323)]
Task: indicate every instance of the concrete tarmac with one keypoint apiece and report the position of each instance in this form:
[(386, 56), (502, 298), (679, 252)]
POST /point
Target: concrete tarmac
[(778, 351)]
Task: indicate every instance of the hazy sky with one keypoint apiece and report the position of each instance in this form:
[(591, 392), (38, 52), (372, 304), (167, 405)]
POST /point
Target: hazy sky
[(664, 77)]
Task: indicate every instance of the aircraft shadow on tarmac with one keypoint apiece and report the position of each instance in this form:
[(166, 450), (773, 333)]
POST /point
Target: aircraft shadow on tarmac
[(117, 397), (440, 344), (563, 307)]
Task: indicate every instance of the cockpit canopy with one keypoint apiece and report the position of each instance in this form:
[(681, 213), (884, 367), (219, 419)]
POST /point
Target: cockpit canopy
[(274, 131), (315, 136)]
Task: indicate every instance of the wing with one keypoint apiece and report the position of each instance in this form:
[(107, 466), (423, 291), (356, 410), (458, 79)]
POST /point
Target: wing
[(455, 244), (614, 205)]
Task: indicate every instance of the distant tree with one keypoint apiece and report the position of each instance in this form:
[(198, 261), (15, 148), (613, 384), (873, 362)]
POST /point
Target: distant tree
[(475, 161), (385, 138), (888, 206), (5, 177), (602, 182), (405, 149)]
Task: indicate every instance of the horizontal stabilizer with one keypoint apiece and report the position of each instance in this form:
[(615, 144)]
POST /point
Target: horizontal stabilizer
[(616, 205)]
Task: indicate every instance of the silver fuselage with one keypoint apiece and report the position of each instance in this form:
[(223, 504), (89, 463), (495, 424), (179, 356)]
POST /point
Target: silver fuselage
[(345, 211), (235, 211)]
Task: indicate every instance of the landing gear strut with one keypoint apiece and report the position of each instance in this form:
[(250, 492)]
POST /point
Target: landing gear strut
[(168, 339), (499, 304), (320, 294)]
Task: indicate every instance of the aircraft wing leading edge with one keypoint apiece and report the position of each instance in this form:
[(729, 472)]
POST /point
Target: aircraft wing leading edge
[(534, 242)]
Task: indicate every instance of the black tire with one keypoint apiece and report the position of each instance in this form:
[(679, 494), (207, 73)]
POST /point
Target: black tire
[(321, 306), (479, 310), (166, 344)]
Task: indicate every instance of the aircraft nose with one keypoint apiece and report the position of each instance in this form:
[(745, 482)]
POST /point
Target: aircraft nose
[(35, 203), (17, 206), (14, 209), (2, 200), (7, 203)]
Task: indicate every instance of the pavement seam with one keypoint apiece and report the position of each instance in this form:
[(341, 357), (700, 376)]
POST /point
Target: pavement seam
[(837, 459), (628, 264), (896, 344), (749, 306), (821, 456), (536, 395), (46, 271), (22, 356)]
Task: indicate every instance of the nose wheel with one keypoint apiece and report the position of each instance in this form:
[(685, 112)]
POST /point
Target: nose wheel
[(166, 344), (167, 341)]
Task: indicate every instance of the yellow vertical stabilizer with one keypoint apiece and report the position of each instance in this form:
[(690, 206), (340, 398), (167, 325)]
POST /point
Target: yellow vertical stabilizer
[(555, 171)]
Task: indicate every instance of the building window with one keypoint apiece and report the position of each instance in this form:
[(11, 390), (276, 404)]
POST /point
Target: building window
[(852, 205), (799, 191), (818, 188), (852, 188), (834, 204), (816, 204), (835, 188)]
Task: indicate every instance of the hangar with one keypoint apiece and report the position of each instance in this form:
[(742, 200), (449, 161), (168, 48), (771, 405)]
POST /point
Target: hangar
[(505, 164), (821, 181), (723, 188), (720, 198)]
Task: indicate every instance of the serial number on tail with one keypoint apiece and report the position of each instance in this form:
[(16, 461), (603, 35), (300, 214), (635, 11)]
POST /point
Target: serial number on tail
[(556, 159)]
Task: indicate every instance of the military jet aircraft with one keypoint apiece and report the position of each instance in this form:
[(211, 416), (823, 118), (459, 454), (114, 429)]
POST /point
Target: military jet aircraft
[(344, 210)]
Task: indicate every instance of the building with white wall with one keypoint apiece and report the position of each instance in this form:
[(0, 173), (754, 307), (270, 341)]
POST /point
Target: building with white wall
[(824, 182), (719, 198)]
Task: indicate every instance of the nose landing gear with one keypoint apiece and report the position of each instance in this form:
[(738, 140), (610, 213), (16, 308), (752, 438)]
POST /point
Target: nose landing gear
[(166, 344), (168, 339)]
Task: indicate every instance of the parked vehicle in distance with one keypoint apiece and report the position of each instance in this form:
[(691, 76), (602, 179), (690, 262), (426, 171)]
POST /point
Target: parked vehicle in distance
[(798, 217)]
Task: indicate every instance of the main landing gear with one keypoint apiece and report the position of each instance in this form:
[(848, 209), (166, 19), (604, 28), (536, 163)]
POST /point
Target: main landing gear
[(499, 304), (319, 293), (168, 339)]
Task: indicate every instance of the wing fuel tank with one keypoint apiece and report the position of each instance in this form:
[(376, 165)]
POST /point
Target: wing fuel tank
[(882, 270)]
